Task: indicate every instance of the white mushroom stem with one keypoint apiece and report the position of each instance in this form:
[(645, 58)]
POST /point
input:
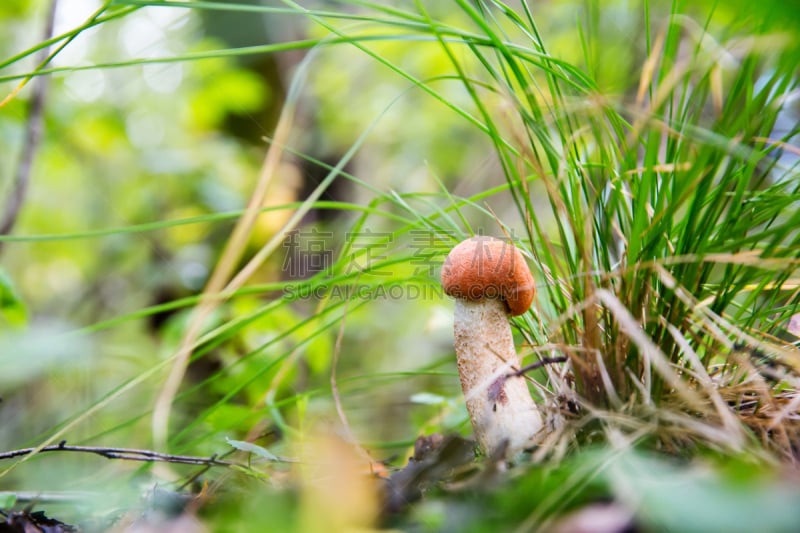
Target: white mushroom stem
[(501, 409)]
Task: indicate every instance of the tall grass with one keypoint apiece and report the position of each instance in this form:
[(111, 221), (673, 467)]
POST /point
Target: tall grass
[(669, 252), (667, 247)]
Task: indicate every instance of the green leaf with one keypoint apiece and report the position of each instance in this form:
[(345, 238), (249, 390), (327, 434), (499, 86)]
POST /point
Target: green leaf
[(12, 309), (673, 497), (428, 398), (7, 500), (253, 448)]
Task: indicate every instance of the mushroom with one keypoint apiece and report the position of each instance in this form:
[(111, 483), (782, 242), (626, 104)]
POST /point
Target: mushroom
[(490, 281)]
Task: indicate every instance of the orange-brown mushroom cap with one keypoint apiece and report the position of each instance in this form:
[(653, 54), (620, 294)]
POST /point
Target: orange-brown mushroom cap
[(485, 267)]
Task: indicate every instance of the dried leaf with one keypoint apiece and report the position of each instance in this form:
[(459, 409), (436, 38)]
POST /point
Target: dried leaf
[(435, 458)]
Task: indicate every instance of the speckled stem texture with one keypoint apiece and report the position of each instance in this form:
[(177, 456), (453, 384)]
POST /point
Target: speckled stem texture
[(499, 408)]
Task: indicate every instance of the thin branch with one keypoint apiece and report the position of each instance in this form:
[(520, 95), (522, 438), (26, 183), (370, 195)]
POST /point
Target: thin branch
[(127, 454), (496, 388), (538, 364), (201, 471), (33, 136)]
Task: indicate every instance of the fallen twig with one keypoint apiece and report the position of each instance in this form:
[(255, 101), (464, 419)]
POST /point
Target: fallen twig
[(127, 454)]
